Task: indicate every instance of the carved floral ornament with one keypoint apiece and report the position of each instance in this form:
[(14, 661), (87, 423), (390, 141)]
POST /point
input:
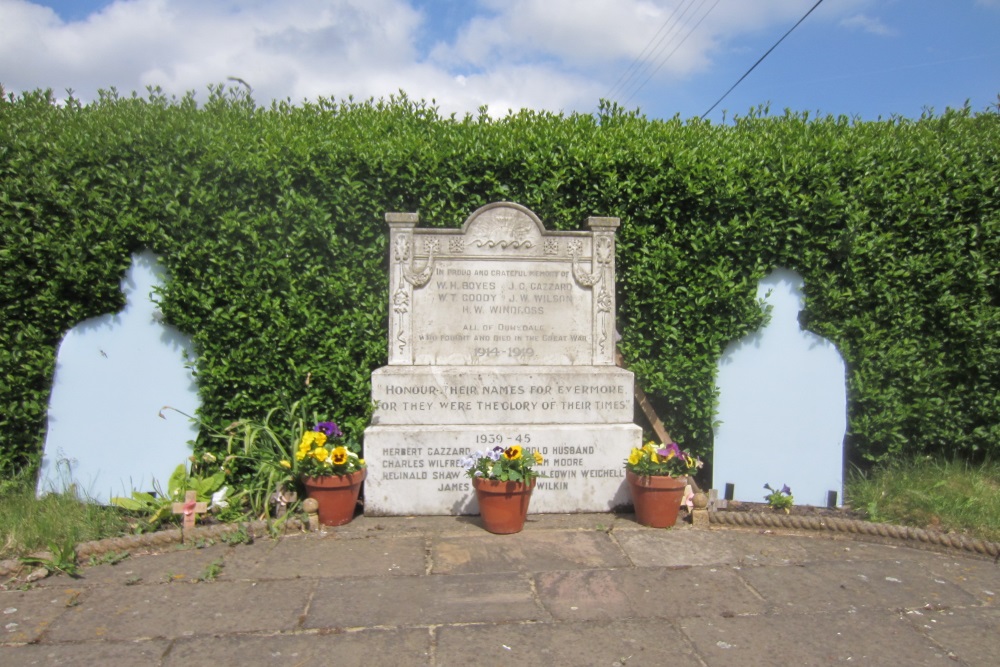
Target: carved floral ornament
[(603, 252), (409, 272)]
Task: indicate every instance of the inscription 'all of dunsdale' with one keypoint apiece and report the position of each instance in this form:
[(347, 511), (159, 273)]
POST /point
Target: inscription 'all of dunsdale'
[(499, 333)]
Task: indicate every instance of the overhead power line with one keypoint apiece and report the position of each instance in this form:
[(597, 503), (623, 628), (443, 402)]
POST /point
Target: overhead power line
[(651, 50), (672, 52), (761, 59)]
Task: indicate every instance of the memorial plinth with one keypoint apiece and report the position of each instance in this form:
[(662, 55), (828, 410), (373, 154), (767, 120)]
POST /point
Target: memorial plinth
[(501, 332)]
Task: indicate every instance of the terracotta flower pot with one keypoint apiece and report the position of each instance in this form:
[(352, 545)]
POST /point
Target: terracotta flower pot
[(657, 498), (337, 496), (503, 506)]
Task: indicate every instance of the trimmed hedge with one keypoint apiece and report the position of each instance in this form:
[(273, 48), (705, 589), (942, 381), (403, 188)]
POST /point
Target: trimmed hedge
[(270, 222)]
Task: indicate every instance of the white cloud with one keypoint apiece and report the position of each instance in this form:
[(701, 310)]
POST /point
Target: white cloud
[(543, 54), (183, 45), (867, 24)]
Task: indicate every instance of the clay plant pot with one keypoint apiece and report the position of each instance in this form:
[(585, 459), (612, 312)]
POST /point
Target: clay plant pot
[(503, 506), (337, 496), (657, 499)]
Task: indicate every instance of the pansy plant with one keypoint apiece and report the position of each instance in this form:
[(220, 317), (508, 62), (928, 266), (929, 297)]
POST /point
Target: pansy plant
[(504, 464), (317, 454), (666, 461)]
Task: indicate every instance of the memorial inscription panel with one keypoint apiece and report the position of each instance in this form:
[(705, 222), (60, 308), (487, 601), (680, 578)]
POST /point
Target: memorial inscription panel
[(501, 291), (499, 333)]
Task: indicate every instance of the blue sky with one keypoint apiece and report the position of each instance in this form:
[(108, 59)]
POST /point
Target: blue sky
[(861, 58)]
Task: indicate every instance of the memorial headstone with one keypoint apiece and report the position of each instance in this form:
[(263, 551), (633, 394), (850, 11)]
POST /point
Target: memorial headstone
[(782, 410), (113, 375), (499, 333)]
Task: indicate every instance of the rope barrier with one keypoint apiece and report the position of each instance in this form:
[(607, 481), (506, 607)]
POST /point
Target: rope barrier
[(159, 540), (855, 527), (165, 538)]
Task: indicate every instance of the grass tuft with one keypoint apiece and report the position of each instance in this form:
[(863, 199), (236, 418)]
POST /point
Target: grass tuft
[(29, 524), (952, 496)]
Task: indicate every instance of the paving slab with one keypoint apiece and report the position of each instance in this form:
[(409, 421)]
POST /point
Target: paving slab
[(396, 647), (644, 594), (327, 556), (860, 638), (970, 636), (687, 546), (175, 564), (531, 552), (830, 586), (103, 654), (183, 609), (25, 615), (633, 643), (978, 577), (428, 600)]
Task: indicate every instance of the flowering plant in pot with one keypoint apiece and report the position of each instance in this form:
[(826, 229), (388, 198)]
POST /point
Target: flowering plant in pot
[(331, 473), (503, 478), (656, 477)]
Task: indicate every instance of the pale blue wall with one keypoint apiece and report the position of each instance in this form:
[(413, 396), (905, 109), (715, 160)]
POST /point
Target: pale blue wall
[(113, 375), (782, 405)]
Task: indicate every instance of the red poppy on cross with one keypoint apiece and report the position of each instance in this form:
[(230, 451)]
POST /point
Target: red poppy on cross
[(190, 508)]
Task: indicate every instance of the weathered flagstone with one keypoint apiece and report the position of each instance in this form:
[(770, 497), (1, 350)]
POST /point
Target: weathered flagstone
[(632, 643), (844, 587), (961, 634), (409, 648), (102, 653), (978, 577), (868, 638), (174, 564), (311, 558), (484, 598), (642, 593), (531, 552), (25, 615), (183, 610)]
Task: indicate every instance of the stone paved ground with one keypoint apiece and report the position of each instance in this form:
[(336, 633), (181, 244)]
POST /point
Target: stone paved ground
[(590, 589)]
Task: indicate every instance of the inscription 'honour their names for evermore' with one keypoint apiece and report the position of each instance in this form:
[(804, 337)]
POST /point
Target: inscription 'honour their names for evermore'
[(499, 333)]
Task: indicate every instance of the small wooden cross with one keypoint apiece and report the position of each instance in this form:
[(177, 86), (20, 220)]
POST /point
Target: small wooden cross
[(190, 508)]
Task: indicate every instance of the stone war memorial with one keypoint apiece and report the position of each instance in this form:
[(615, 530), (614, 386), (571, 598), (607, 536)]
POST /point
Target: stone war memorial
[(500, 333)]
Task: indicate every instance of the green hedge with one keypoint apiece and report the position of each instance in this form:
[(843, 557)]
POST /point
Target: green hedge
[(270, 222)]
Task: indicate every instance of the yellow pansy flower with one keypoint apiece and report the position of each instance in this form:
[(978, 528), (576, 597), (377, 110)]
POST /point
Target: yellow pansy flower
[(339, 456), (538, 458), (312, 439), (320, 454), (635, 456), (512, 453)]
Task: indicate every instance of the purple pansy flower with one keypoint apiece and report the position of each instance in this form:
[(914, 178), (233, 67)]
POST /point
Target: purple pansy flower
[(329, 429), (671, 448)]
